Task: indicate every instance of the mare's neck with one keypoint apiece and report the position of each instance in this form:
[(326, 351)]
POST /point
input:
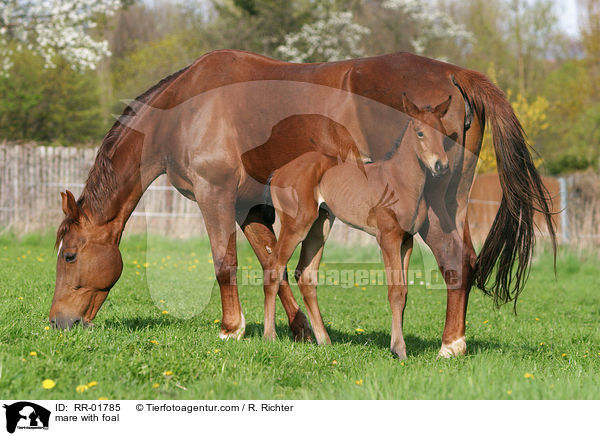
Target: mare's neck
[(126, 172)]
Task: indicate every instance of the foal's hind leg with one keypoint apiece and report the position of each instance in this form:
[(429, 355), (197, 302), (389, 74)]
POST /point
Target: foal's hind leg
[(308, 269), (261, 236), (293, 231)]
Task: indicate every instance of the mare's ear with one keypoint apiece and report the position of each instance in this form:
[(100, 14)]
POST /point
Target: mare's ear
[(69, 205), (441, 109), (409, 107)]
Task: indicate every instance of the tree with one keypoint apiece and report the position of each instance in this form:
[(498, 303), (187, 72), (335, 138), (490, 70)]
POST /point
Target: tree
[(57, 104), (333, 36), (51, 28)]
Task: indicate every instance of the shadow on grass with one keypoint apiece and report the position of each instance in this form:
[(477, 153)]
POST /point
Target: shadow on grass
[(415, 345), (138, 323)]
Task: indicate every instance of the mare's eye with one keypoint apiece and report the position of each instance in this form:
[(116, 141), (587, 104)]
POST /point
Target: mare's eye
[(70, 257), (420, 134)]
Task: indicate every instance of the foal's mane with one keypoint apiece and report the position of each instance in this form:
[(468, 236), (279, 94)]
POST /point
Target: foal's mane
[(102, 181)]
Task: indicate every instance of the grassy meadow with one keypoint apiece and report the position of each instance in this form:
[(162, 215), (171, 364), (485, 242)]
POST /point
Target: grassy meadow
[(156, 337)]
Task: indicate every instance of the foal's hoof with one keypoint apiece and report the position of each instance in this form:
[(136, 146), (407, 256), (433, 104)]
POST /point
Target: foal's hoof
[(399, 354), (236, 334), (301, 328), (455, 348)]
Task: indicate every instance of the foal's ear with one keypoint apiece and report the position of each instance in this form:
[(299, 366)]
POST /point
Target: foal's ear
[(69, 205), (409, 107), (441, 109)]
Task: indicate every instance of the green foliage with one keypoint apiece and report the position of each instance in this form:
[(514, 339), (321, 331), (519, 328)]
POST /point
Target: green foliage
[(567, 163), (58, 104)]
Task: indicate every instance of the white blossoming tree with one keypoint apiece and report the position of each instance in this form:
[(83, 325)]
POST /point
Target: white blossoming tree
[(53, 27), (333, 36), (432, 23)]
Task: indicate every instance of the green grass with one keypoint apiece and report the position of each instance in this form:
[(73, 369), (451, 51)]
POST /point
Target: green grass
[(555, 337)]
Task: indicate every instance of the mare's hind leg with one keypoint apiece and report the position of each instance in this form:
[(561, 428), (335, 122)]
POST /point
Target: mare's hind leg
[(456, 259), (396, 247), (218, 209), (308, 269), (261, 236)]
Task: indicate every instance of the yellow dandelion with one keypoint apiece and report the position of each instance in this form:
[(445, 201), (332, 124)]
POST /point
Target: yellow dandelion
[(81, 389), (528, 375), (509, 392), (356, 285), (486, 321), (216, 350), (92, 384), (146, 264), (154, 342), (168, 373), (210, 261), (137, 273), (48, 384), (542, 344), (334, 362), (359, 382), (359, 330), (537, 319), (155, 386), (402, 363), (363, 288), (135, 261), (564, 354), (216, 321), (164, 312), (33, 353), (23, 359), (47, 328), (102, 398), (19, 298)]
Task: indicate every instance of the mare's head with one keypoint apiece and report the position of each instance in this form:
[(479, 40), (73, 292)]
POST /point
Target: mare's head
[(426, 134), (88, 265)]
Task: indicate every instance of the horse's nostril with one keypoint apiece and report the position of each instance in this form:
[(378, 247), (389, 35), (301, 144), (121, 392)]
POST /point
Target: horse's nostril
[(438, 166)]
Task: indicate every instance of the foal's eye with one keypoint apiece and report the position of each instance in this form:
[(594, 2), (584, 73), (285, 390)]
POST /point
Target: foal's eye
[(420, 134), (70, 257)]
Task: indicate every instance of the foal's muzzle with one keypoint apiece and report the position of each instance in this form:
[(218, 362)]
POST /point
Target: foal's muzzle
[(439, 168)]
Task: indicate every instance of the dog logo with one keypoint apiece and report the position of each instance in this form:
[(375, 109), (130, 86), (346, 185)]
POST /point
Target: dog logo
[(26, 415)]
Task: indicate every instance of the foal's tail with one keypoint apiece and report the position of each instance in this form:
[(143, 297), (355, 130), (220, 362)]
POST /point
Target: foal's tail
[(509, 244)]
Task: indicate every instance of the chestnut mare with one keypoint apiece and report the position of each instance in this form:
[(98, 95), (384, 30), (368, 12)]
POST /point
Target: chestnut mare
[(220, 127), (384, 199)]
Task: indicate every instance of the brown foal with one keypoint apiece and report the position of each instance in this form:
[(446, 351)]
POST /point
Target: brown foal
[(384, 199)]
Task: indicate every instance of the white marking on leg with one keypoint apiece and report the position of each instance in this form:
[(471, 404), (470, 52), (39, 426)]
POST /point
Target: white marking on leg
[(455, 348), (238, 334)]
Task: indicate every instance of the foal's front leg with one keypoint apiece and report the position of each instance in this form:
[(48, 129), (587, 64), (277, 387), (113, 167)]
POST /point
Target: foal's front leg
[(396, 247)]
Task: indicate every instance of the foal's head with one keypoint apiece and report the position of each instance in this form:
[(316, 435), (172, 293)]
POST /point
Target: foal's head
[(88, 265), (426, 133)]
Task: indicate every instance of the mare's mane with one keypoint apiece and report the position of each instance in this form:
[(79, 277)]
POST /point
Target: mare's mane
[(102, 180)]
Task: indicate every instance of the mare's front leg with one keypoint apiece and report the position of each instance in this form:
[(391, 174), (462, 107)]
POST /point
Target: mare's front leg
[(260, 234), (217, 204), (396, 247), (307, 271)]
